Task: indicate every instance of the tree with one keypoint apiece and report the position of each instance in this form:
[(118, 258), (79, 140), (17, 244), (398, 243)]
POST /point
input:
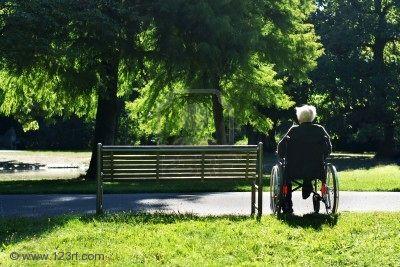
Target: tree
[(244, 50), (205, 41), (292, 47), (358, 79), (70, 50), (67, 56)]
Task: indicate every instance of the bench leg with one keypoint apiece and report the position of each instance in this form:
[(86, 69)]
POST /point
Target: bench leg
[(253, 199), (99, 195), (260, 178), (260, 196)]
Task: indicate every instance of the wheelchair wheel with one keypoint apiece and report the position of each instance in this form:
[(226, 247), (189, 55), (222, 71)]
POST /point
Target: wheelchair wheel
[(331, 196), (276, 189)]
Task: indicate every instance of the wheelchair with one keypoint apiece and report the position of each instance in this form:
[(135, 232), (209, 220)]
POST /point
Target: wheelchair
[(327, 185)]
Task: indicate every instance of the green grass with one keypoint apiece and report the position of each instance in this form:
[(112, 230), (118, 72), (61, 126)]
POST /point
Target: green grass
[(370, 239), (357, 172), (379, 178)]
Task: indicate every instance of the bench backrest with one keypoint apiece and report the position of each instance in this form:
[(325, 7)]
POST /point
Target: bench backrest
[(163, 162), (156, 162)]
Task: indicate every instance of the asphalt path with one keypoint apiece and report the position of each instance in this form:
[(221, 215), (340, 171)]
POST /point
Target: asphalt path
[(228, 203)]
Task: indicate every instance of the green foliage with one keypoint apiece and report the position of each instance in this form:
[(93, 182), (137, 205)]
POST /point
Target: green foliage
[(358, 76), (245, 49), (57, 56), (258, 86), (176, 116), (30, 96)]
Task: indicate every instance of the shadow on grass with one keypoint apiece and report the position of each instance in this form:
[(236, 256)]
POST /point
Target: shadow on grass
[(78, 186), (159, 218), (47, 186), (15, 230), (311, 220)]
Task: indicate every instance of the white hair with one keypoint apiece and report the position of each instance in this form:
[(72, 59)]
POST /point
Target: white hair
[(306, 113)]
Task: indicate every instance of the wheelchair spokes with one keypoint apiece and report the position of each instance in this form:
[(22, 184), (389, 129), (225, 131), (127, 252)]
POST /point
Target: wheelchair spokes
[(276, 189), (326, 191), (327, 194), (331, 195)]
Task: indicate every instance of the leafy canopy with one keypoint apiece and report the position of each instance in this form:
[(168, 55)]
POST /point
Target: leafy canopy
[(357, 80), (248, 48), (57, 56)]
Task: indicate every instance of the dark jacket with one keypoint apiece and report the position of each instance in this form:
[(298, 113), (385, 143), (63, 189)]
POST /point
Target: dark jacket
[(305, 150)]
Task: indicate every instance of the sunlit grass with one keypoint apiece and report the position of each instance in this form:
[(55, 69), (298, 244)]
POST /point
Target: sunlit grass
[(380, 178), (371, 239)]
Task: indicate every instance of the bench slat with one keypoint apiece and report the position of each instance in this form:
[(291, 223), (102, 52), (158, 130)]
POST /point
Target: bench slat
[(176, 175), (193, 147), (206, 161), (178, 161), (173, 157), (153, 170), (183, 148), (177, 166), (173, 154)]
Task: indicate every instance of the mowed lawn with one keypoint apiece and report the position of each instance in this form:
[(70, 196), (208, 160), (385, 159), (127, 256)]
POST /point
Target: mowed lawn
[(369, 239), (357, 172), (379, 178)]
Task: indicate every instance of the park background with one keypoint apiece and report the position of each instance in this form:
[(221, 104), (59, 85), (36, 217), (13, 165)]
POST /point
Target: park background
[(147, 68), (77, 73)]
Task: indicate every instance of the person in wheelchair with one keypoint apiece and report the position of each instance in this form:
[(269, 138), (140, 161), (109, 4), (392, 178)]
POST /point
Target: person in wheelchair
[(305, 148)]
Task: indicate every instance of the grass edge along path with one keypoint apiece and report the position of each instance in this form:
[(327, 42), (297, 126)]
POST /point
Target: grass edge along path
[(173, 186), (379, 178), (361, 239)]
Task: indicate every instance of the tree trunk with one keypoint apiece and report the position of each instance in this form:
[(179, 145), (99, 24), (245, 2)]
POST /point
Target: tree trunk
[(252, 137), (218, 113), (386, 149), (270, 142), (106, 117)]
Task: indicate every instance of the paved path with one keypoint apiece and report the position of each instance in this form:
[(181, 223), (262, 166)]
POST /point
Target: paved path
[(200, 203)]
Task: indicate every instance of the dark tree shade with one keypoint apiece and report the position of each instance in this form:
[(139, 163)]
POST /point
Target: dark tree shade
[(359, 74), (78, 48)]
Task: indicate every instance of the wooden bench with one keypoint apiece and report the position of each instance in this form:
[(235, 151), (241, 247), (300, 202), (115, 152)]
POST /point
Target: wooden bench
[(117, 163)]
